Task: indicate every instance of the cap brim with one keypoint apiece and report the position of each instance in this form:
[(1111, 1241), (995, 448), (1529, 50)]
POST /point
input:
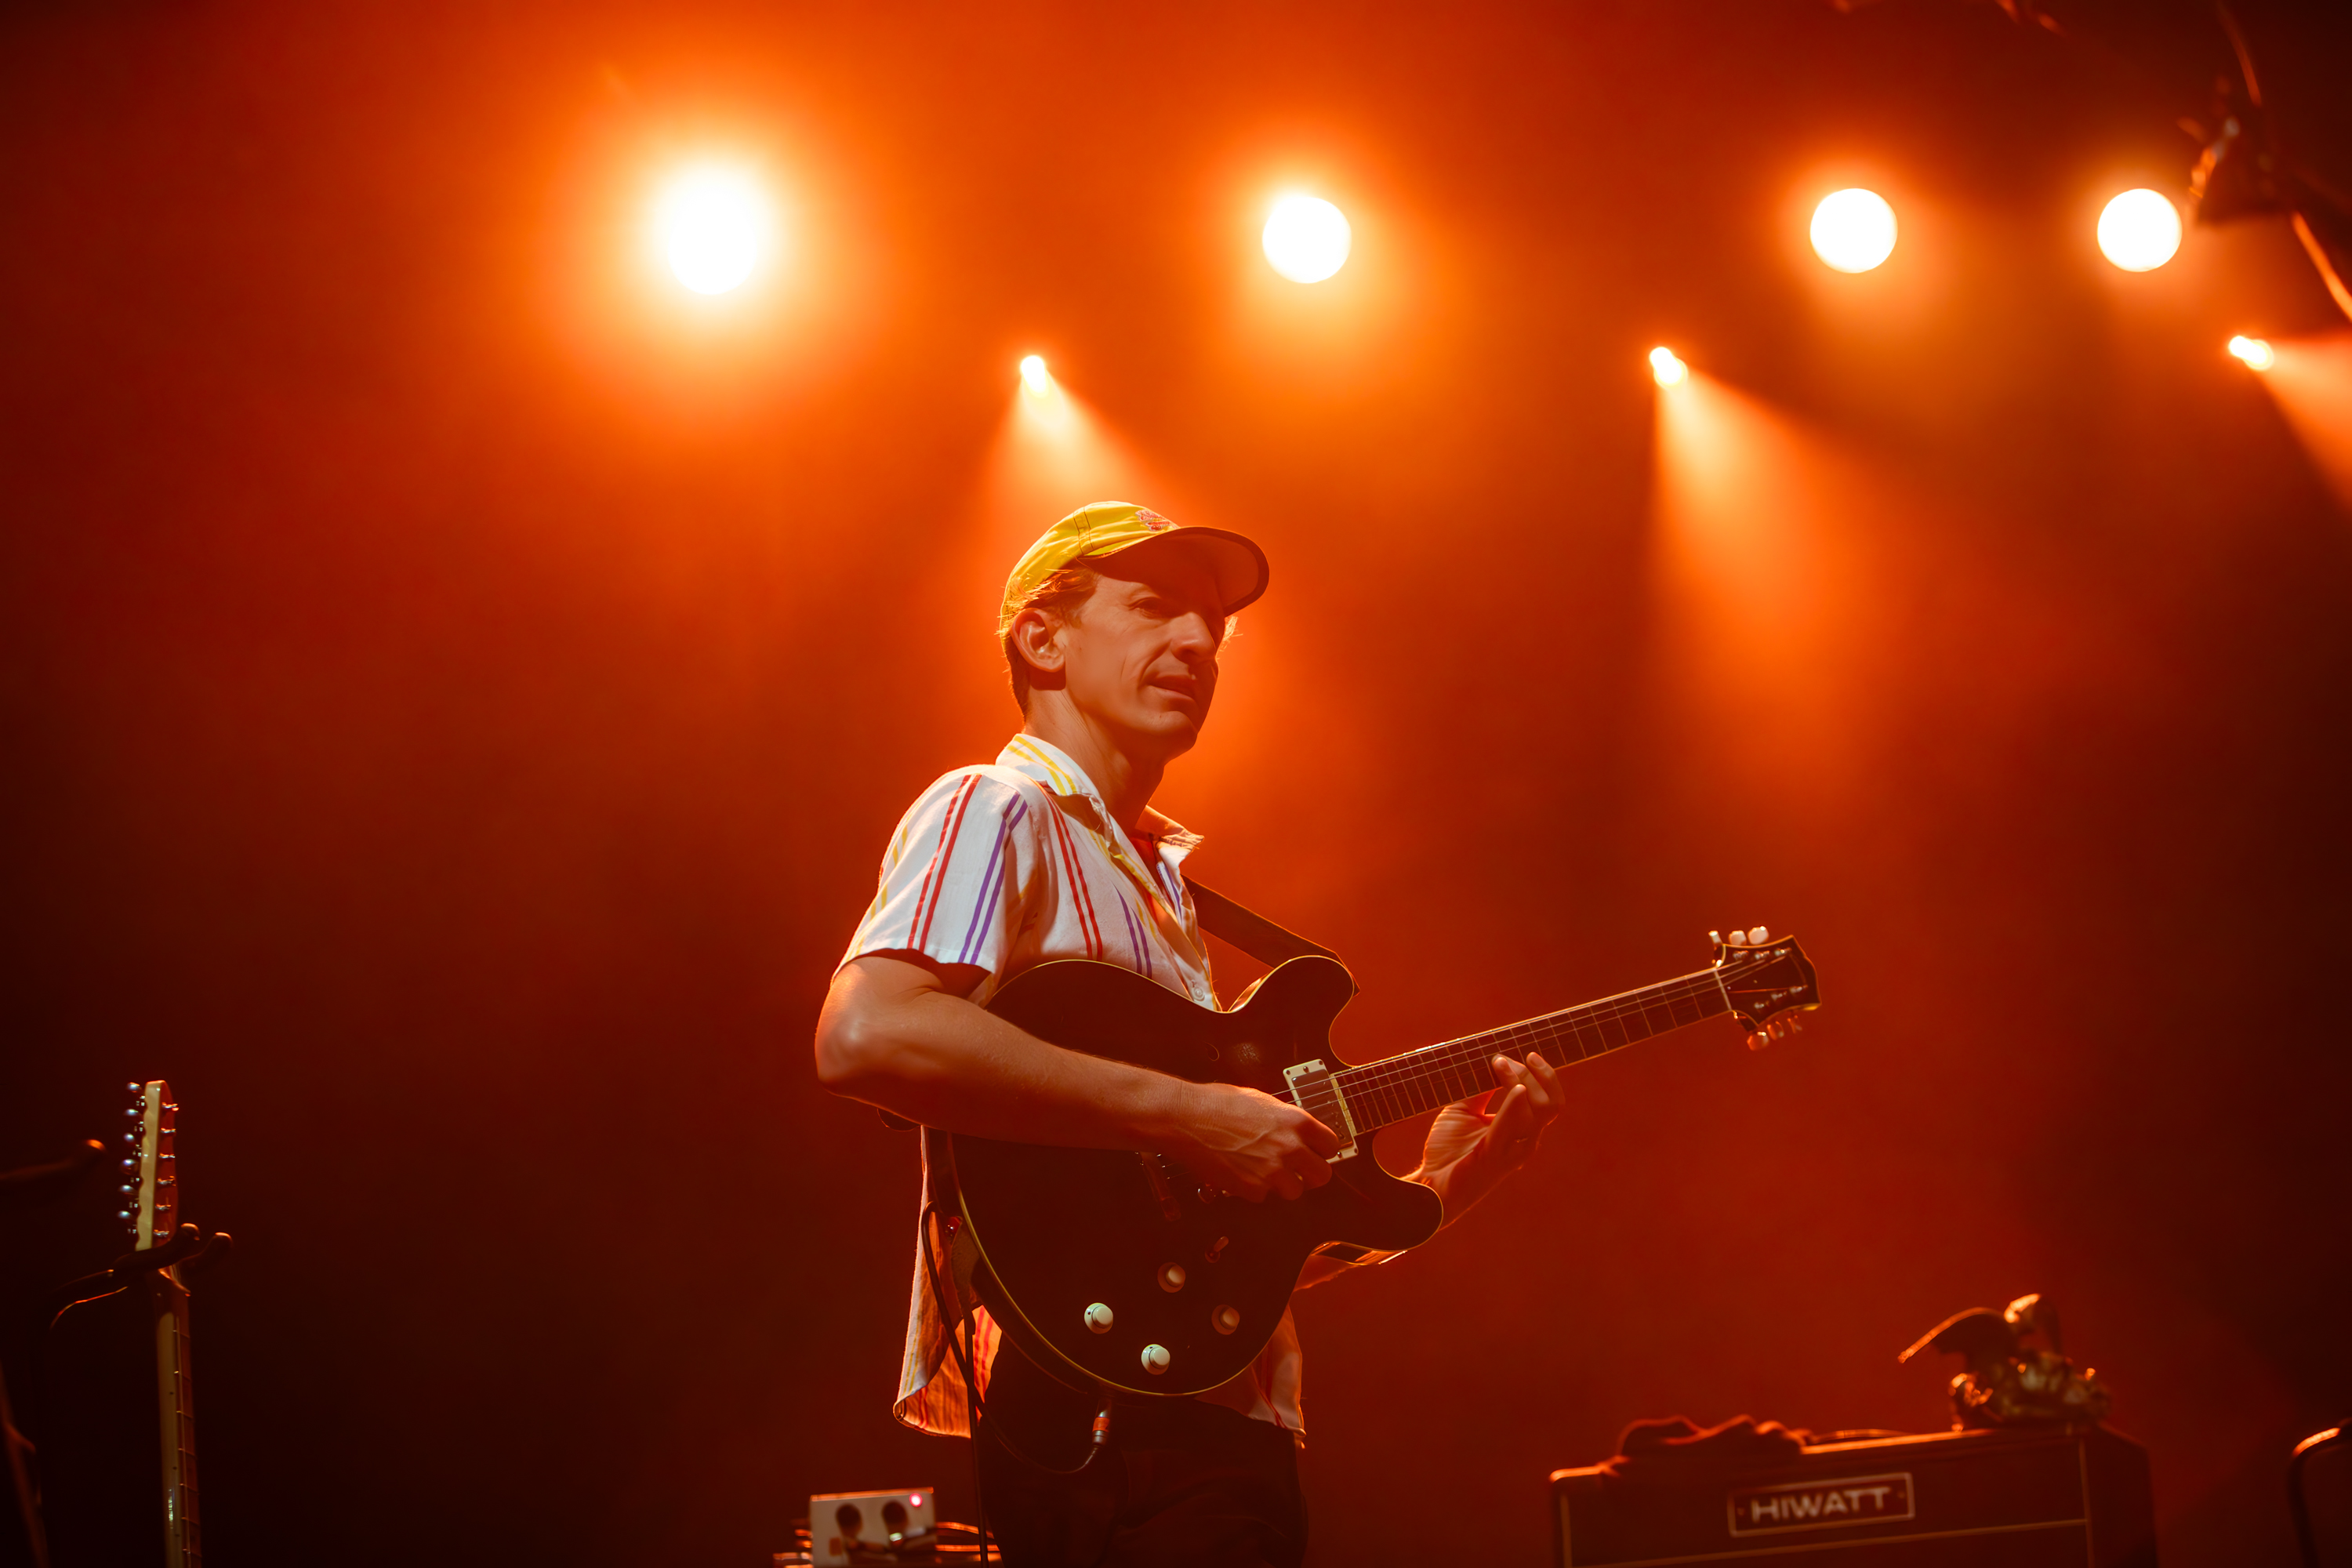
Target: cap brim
[(1239, 563)]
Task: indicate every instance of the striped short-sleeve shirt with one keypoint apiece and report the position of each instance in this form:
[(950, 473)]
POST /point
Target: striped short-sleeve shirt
[(1008, 865)]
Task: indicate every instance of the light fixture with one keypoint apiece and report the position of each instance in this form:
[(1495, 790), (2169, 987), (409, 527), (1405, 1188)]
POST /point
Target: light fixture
[(2139, 230), (2257, 353), (1668, 370), (1307, 238), (1854, 230), (1035, 376), (714, 224)]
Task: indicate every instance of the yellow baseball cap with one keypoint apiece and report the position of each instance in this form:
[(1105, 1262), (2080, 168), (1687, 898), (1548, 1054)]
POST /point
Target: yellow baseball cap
[(1109, 527)]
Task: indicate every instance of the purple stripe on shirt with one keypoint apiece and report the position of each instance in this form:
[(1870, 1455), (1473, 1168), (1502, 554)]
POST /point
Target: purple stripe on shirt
[(1135, 937), (992, 880)]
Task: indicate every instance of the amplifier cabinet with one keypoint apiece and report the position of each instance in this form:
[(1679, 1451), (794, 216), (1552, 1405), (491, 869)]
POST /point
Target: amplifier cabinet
[(2076, 1495)]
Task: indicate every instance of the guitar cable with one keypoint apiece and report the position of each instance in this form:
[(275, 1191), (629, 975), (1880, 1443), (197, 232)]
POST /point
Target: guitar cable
[(975, 1408)]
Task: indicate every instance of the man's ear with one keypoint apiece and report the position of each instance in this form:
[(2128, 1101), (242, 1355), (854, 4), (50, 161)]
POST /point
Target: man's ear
[(1037, 639)]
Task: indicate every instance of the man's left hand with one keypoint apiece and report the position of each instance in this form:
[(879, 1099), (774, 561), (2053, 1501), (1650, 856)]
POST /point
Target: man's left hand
[(1476, 1143)]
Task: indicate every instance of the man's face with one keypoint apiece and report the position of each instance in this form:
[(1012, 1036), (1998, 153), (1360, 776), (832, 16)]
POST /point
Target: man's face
[(1140, 658)]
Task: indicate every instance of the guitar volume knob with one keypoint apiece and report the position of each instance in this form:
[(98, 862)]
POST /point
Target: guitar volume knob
[(1099, 1318), (1156, 1359), (1224, 1319), (1172, 1277)]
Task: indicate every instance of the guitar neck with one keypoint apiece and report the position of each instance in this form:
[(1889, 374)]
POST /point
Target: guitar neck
[(184, 1543), (1384, 1091)]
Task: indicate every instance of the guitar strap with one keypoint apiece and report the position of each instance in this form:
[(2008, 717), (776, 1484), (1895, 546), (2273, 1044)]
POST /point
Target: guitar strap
[(1244, 927)]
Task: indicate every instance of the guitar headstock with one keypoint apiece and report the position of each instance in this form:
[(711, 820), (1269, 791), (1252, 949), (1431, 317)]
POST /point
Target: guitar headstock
[(152, 1186), (1768, 980)]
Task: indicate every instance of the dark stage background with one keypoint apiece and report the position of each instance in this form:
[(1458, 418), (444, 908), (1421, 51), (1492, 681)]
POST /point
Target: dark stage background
[(456, 696)]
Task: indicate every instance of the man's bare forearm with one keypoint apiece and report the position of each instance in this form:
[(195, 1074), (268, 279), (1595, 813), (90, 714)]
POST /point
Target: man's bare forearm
[(893, 1037), (900, 1033)]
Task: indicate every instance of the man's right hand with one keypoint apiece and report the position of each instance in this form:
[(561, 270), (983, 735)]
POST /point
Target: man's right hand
[(1248, 1143)]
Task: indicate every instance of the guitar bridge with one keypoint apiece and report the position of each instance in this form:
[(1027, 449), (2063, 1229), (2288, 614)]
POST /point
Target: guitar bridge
[(1316, 1091)]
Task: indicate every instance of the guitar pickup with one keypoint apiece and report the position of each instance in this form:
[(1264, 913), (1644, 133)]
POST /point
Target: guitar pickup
[(1316, 1091)]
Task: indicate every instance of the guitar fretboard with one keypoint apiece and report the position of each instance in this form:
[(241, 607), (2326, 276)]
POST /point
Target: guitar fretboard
[(1384, 1091)]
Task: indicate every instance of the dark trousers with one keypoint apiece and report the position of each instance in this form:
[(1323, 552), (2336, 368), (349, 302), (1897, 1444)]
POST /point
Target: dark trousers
[(1180, 1483)]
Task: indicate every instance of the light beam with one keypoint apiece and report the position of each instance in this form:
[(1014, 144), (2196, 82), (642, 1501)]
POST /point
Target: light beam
[(2310, 379)]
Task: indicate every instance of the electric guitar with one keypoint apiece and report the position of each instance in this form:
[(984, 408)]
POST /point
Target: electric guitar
[(1120, 1271), (154, 1215), (117, 1442)]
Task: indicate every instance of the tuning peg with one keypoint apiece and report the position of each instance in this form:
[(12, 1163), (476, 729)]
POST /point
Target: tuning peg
[(1758, 936), (1796, 1024), (1758, 1040), (1714, 937)]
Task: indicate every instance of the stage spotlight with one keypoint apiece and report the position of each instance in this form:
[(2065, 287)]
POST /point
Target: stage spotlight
[(2139, 230), (1307, 238), (1854, 230), (2255, 352), (714, 224), (1668, 370), (1035, 376)]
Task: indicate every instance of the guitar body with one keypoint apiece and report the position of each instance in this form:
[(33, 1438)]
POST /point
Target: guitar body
[(1060, 1235)]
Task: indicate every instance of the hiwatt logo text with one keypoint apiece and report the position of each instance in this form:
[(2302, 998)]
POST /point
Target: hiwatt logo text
[(1820, 1505)]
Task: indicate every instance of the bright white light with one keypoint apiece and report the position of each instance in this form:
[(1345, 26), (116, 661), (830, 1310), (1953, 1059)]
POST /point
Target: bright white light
[(2139, 230), (1307, 238), (1035, 376), (1669, 371), (2255, 352), (714, 224), (1854, 230)]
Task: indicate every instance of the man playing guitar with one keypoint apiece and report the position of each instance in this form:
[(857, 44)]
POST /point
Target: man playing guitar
[(1111, 624)]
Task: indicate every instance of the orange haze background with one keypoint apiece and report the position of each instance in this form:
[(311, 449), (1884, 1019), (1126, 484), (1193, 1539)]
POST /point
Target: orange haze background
[(459, 688)]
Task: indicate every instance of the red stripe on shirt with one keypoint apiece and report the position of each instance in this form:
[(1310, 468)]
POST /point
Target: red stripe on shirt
[(935, 877), (1086, 921)]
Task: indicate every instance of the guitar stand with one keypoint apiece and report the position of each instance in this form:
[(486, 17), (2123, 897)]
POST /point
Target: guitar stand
[(193, 1248), (2298, 1508)]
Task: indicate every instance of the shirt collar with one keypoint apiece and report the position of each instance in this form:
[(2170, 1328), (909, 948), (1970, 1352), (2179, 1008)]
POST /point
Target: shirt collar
[(1050, 767)]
